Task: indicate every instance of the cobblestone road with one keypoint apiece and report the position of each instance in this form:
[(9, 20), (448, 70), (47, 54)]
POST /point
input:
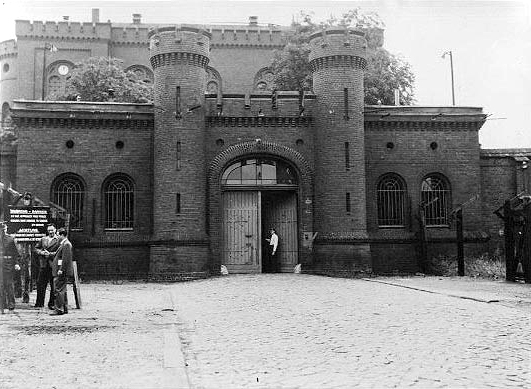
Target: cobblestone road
[(272, 331), (298, 331)]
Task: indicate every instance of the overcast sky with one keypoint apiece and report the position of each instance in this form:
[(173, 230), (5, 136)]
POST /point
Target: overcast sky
[(490, 41)]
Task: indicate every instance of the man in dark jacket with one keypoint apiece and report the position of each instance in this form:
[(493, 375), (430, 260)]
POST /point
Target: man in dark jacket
[(61, 270), (46, 249), (10, 263)]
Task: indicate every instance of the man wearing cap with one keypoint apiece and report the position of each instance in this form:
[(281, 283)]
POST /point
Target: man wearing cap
[(10, 263)]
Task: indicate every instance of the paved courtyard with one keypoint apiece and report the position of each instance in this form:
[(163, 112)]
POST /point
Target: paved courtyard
[(275, 331)]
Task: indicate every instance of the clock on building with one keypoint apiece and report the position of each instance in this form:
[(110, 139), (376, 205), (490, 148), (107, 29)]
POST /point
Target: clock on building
[(63, 70)]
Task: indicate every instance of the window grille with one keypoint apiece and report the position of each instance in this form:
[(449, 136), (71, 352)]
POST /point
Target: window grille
[(68, 191), (391, 200), (435, 196), (118, 198), (255, 172)]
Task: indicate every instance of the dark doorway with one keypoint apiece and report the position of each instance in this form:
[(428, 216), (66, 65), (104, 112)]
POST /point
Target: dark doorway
[(279, 211)]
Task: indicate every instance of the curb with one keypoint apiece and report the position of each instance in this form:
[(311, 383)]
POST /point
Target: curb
[(464, 297)]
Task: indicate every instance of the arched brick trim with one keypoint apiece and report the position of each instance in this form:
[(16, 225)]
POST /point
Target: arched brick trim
[(246, 149)]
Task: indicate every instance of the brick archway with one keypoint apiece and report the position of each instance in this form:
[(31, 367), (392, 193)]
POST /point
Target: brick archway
[(249, 149)]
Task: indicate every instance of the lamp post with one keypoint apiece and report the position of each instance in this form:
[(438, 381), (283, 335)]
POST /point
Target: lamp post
[(451, 72)]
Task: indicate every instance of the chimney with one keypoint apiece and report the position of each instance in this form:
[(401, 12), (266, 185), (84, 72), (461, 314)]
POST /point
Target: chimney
[(95, 15), (253, 20), (65, 18), (137, 18)]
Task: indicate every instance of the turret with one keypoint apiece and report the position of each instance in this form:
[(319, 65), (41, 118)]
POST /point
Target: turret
[(179, 56), (338, 60)]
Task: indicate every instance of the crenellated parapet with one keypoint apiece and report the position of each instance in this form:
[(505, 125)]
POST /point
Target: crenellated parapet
[(8, 49), (270, 37), (130, 35), (175, 45), (338, 48), (63, 30)]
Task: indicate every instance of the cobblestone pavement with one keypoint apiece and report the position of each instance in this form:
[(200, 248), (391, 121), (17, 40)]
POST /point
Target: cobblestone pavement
[(271, 331), (299, 331), (116, 341)]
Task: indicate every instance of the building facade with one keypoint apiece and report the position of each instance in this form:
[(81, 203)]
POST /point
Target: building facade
[(175, 189)]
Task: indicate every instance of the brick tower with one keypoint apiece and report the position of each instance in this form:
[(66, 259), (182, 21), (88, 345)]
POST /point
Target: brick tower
[(179, 57), (338, 60)]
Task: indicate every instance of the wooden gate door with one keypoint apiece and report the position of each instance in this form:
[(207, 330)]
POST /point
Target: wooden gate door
[(279, 211), (241, 232)]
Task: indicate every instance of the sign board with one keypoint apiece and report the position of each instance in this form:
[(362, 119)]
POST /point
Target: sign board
[(27, 223)]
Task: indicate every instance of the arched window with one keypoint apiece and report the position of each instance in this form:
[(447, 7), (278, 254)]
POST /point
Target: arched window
[(6, 114), (256, 171), (263, 80), (435, 197), (118, 202), (68, 191), (140, 73), (56, 75), (213, 80), (391, 201)]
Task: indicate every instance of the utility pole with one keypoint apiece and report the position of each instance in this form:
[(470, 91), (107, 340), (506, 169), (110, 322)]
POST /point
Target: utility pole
[(451, 72)]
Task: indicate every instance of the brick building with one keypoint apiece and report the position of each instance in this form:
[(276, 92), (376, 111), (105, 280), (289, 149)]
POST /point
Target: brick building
[(176, 188)]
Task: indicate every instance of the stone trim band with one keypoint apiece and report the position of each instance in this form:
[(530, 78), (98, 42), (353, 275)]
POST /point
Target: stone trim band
[(331, 61), (227, 121), (176, 58)]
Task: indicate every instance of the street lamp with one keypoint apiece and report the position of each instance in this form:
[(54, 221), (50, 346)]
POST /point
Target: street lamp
[(451, 71)]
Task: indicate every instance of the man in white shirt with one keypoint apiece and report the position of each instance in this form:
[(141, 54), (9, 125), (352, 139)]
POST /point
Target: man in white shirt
[(274, 266)]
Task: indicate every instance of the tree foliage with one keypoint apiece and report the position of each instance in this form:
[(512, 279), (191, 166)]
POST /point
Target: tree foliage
[(385, 71), (104, 79)]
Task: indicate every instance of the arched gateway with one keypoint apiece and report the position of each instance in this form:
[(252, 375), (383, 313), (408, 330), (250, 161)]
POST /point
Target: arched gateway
[(254, 191)]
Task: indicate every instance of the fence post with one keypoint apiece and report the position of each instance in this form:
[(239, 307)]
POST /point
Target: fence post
[(509, 241), (423, 239), (460, 245), (526, 251), (2, 297)]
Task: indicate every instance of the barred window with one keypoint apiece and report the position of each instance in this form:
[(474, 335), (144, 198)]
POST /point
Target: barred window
[(435, 196), (68, 191), (118, 202), (391, 200)]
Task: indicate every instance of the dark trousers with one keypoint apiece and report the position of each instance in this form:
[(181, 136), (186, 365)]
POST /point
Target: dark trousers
[(45, 277), (61, 297), (270, 264), (9, 291), (23, 280)]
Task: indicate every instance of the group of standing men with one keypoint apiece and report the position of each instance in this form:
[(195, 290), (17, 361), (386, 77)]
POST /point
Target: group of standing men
[(54, 252)]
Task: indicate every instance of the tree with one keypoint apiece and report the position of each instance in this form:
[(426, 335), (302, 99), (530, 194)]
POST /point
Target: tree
[(385, 72), (104, 79)]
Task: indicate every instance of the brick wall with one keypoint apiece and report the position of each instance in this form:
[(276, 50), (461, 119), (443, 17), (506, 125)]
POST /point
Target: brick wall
[(43, 155), (498, 183)]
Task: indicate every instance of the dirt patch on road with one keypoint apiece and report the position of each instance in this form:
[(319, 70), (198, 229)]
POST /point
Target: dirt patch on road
[(54, 329)]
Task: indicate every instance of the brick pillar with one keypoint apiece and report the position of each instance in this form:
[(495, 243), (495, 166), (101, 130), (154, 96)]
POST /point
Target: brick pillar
[(179, 56), (338, 60)]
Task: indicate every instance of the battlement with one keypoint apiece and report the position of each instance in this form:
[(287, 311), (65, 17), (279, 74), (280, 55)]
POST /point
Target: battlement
[(331, 43), (241, 36), (287, 104), (178, 39), (132, 34), (8, 49), (63, 30)]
